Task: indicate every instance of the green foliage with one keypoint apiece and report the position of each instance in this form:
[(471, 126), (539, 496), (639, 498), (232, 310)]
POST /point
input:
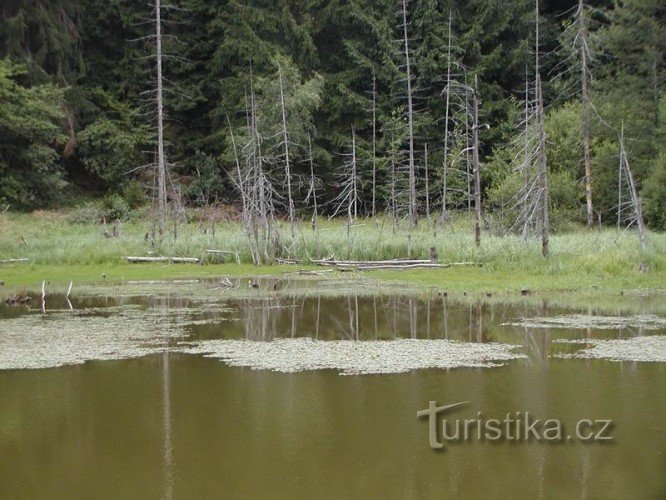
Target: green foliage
[(654, 195), (110, 149), (115, 207), (29, 137), (134, 195), (76, 79)]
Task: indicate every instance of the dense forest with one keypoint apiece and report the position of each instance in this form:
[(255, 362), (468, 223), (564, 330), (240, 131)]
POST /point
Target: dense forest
[(351, 106)]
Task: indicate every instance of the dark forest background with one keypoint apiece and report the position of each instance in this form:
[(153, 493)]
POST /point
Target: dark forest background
[(76, 117)]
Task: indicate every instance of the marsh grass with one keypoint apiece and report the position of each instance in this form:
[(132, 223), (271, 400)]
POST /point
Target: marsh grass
[(578, 257)]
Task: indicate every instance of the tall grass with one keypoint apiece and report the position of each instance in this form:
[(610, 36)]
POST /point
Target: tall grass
[(47, 238)]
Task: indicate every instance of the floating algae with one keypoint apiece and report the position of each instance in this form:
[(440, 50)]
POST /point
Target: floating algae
[(352, 357), (650, 348), (581, 321), (67, 338)]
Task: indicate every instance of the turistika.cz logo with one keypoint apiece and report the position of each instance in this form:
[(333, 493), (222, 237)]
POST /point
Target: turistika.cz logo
[(515, 426)]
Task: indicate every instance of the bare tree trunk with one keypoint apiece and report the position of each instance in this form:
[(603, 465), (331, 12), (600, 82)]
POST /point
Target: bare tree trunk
[(374, 143), (413, 214), (427, 181), (543, 179), (585, 113), (161, 161), (655, 84), (394, 208), (446, 119), (475, 159), (354, 177), (467, 148), (287, 166), (619, 183), (542, 160), (313, 182)]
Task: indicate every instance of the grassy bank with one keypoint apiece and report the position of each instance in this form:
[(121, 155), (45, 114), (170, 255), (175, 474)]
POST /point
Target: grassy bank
[(605, 259)]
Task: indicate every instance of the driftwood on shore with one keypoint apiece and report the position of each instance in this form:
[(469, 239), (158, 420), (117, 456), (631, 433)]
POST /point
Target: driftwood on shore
[(366, 265), (170, 260)]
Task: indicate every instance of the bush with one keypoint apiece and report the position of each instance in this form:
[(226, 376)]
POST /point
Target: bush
[(115, 207), (86, 214), (134, 195)]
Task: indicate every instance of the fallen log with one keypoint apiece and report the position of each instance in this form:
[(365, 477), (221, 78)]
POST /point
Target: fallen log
[(349, 265), (170, 260), (403, 266), (325, 262), (161, 282), (11, 261), (225, 252)]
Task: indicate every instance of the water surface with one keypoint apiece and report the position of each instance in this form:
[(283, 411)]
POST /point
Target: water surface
[(170, 424)]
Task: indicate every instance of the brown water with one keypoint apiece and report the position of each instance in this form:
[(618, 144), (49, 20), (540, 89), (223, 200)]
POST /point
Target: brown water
[(186, 426)]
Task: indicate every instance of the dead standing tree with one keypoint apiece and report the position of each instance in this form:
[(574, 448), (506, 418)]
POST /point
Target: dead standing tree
[(447, 90), (347, 199), (530, 163), (475, 160), (457, 168), (629, 205), (257, 190), (287, 164), (374, 144), (574, 73), (159, 98), (413, 211)]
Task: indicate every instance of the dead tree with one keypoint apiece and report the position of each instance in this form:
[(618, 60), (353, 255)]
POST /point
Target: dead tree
[(161, 161), (574, 68), (542, 161), (413, 213), (312, 185), (632, 203), (285, 143), (585, 110), (427, 180), (447, 89), (257, 189), (530, 163), (374, 144), (348, 199), (475, 156), (457, 116)]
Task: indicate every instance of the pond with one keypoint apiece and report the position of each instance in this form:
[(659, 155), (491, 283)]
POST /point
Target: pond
[(307, 387)]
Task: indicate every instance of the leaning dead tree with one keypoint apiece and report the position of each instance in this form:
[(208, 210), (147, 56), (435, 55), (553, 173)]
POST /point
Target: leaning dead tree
[(629, 205)]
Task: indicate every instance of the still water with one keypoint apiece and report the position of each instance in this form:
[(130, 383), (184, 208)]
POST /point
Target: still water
[(176, 425)]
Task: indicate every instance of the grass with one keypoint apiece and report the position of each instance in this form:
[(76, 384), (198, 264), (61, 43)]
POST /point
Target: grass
[(581, 260)]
